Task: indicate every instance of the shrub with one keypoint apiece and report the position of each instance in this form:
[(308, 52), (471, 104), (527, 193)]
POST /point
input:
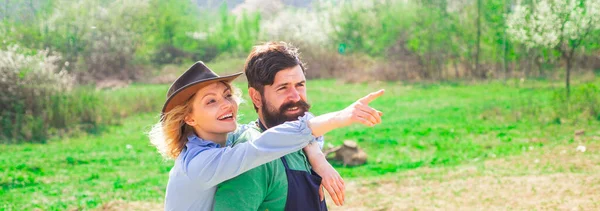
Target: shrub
[(29, 81), (39, 99), (102, 42), (583, 103), (369, 26), (227, 33)]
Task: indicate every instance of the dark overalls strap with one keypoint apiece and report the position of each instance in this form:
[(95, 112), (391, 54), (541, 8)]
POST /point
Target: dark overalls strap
[(285, 163), (303, 187), (303, 190)]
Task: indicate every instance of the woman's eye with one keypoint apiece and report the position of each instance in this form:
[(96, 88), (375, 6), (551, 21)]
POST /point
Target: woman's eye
[(229, 95), (211, 101)]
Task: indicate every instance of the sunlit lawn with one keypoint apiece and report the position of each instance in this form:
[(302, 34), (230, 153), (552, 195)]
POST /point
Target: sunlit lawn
[(424, 126)]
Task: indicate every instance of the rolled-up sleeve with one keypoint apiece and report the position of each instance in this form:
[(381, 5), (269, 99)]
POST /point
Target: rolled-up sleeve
[(321, 141)]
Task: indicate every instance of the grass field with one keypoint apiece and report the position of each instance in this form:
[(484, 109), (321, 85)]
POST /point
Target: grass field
[(440, 146)]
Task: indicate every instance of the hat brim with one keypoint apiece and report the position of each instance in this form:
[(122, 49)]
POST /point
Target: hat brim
[(184, 93)]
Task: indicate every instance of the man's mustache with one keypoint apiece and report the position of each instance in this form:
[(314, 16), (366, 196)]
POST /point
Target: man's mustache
[(301, 104)]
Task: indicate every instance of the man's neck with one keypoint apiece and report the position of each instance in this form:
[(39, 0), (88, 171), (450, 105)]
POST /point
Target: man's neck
[(261, 124)]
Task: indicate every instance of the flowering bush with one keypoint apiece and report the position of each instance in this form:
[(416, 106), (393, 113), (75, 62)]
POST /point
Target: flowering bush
[(300, 25), (557, 24), (102, 42), (29, 80), (551, 21), (27, 77)]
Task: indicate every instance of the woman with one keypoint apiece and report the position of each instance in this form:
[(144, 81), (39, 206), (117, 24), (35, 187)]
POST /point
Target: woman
[(200, 111)]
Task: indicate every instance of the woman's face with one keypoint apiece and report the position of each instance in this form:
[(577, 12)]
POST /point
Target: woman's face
[(214, 111)]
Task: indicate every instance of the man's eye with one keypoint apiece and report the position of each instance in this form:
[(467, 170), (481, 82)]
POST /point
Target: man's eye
[(300, 84), (229, 95), (282, 88)]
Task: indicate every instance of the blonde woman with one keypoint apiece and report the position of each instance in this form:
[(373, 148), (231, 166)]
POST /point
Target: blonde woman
[(200, 112)]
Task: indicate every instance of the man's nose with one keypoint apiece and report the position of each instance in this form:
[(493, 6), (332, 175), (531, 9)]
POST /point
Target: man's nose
[(294, 95)]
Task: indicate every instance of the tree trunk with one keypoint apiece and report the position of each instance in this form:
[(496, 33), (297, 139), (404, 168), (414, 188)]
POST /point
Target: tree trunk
[(505, 54), (439, 67), (568, 55), (532, 53), (568, 83), (430, 52), (504, 43), (538, 63), (477, 70), (542, 63), (5, 9), (456, 69)]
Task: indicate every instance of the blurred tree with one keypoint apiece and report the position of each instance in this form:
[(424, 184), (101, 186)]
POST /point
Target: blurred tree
[(233, 34), (166, 31), (433, 39), (560, 24), (369, 26)]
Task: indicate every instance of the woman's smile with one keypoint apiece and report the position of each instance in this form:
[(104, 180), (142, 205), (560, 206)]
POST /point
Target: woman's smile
[(227, 117)]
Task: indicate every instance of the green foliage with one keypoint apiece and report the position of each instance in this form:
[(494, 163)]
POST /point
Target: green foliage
[(166, 28), (430, 38), (186, 33), (442, 36), (59, 113), (28, 79), (435, 39), (130, 33), (370, 27), (235, 34), (582, 104), (100, 44), (81, 110)]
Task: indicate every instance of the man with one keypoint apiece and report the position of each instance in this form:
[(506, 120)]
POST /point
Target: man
[(277, 87)]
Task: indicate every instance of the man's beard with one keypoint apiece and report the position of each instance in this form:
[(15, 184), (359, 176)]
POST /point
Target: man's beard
[(273, 116)]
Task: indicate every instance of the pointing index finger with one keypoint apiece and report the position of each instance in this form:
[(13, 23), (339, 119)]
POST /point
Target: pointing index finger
[(372, 96)]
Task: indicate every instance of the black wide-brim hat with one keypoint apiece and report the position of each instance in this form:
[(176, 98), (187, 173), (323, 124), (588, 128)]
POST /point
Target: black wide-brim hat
[(192, 80)]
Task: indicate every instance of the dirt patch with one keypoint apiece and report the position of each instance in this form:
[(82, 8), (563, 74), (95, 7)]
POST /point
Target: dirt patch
[(564, 191), (560, 178), (134, 206)]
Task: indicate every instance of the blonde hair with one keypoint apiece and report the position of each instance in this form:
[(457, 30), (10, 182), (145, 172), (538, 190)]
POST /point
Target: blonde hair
[(169, 135)]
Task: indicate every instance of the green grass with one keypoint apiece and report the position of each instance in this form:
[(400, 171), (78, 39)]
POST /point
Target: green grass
[(424, 125)]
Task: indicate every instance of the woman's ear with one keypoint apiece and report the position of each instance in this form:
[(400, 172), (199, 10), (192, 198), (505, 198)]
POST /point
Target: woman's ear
[(255, 96), (189, 116), (189, 120)]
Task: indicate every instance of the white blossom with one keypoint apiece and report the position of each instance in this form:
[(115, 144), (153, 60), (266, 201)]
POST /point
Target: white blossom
[(546, 22), (300, 24), (25, 74)]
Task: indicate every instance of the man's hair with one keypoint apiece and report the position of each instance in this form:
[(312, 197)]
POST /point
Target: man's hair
[(266, 60)]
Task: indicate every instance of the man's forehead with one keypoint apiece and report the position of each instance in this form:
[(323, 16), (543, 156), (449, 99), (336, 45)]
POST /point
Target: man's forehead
[(290, 75)]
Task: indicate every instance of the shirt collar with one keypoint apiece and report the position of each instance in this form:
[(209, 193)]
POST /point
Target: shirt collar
[(195, 141), (195, 146), (260, 126)]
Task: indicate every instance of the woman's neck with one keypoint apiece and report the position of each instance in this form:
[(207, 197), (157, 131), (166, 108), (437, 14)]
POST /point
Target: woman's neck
[(219, 138)]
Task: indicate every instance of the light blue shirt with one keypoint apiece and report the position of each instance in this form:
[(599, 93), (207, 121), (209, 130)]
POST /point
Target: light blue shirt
[(203, 164)]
